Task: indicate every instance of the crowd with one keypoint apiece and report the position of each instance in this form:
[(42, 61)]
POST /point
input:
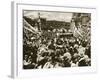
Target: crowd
[(53, 49)]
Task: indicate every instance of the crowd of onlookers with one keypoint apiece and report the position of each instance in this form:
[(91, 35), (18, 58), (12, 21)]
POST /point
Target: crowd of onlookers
[(55, 48)]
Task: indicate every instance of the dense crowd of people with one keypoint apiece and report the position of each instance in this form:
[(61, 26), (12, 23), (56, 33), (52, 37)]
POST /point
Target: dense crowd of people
[(53, 49)]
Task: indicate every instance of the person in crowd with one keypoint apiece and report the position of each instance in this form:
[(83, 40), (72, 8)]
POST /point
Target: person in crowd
[(85, 61), (67, 60)]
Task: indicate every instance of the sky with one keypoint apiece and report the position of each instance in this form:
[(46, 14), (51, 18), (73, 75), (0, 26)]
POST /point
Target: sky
[(59, 16)]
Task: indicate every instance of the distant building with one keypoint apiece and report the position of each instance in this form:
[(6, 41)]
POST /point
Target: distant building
[(81, 24)]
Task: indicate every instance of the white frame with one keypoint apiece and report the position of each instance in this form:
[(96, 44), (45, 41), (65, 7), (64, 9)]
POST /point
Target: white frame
[(17, 26)]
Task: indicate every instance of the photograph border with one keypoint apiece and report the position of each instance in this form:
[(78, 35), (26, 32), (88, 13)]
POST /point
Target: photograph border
[(16, 71)]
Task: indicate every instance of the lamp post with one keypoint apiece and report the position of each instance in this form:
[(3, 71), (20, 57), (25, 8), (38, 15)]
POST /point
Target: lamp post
[(39, 22)]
